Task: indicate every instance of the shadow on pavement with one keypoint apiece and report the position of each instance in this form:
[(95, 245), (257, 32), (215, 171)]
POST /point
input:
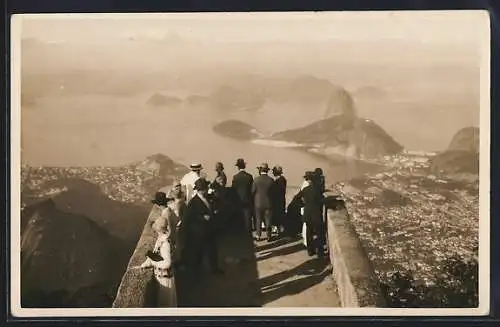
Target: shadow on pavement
[(275, 244), (303, 277), (238, 287), (281, 251)]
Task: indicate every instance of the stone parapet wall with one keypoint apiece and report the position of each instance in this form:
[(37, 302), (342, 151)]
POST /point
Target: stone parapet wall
[(138, 286), (357, 283)]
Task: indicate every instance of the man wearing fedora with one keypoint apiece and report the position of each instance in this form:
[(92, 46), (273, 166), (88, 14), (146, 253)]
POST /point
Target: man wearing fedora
[(201, 229), (190, 178), (279, 199), (242, 184), (262, 191), (313, 216)]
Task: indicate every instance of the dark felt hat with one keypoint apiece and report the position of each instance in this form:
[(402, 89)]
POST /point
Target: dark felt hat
[(240, 163), (161, 199), (277, 170), (263, 167)]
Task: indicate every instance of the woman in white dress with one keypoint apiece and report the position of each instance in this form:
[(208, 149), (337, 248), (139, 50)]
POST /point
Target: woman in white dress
[(163, 256)]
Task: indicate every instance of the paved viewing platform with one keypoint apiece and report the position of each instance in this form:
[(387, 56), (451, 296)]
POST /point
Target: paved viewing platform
[(261, 274), (279, 273)]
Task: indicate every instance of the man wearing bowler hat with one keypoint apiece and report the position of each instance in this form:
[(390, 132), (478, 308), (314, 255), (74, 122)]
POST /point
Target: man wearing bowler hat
[(262, 191), (201, 229), (190, 178), (242, 184), (313, 216)]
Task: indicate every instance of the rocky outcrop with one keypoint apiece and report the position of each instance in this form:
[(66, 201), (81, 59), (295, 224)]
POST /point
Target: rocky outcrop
[(236, 129), (82, 198), (160, 100), (462, 155), (63, 254), (456, 162), (466, 139), (346, 134)]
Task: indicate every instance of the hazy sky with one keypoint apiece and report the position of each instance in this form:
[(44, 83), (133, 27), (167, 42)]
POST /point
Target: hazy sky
[(421, 26)]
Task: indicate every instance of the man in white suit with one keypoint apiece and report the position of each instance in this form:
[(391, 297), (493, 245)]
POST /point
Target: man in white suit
[(190, 178)]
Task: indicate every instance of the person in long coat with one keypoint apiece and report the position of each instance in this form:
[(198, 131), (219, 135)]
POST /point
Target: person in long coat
[(279, 198), (313, 217), (219, 171), (219, 197), (242, 186), (201, 230), (262, 191), (293, 218)]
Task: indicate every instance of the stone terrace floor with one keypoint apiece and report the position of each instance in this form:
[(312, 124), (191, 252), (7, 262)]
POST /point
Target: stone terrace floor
[(261, 274)]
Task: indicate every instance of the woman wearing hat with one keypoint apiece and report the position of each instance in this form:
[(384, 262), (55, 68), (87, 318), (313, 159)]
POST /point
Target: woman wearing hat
[(179, 207), (169, 213), (220, 174), (176, 191), (161, 260)]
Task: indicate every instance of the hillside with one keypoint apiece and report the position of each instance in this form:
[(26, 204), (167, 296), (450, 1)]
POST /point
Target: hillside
[(81, 197), (360, 136), (466, 139), (411, 219), (461, 156), (62, 253), (78, 217), (302, 89)]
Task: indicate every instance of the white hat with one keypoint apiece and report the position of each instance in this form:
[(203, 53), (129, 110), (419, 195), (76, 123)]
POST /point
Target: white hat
[(196, 166)]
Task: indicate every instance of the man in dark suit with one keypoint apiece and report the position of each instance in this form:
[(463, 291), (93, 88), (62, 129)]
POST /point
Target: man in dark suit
[(201, 229), (262, 191), (313, 216), (279, 198), (242, 184)]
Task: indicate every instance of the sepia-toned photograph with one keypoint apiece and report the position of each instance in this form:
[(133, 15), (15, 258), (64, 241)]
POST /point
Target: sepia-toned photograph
[(299, 163)]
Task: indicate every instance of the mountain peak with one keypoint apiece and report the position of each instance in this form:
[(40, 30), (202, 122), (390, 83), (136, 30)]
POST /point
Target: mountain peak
[(466, 139), (343, 132)]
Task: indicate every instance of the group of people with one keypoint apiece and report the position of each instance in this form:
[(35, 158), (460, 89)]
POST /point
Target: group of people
[(194, 212)]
